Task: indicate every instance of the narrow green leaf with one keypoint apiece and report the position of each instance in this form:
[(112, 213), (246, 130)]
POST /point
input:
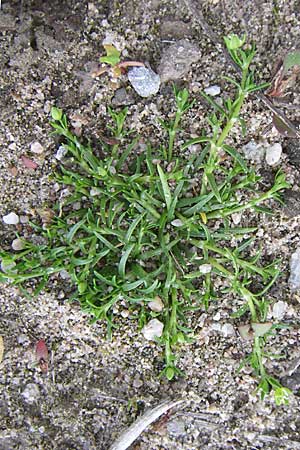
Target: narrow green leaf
[(213, 185), (74, 230), (123, 260), (165, 187), (235, 155)]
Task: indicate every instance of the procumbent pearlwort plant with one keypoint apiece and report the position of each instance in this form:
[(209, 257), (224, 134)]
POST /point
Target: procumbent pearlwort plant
[(144, 235)]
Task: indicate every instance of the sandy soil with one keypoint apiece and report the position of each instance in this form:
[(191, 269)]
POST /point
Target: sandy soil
[(94, 389)]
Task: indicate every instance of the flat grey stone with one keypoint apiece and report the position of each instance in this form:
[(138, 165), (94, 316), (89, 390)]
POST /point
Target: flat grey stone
[(177, 59)]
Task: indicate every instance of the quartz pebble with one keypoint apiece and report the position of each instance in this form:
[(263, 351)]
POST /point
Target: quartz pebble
[(11, 219), (177, 223), (144, 81), (153, 329), (61, 152), (253, 151), (279, 309), (294, 279), (226, 329), (156, 304), (37, 148), (17, 244), (205, 268), (6, 266), (273, 154), (213, 90)]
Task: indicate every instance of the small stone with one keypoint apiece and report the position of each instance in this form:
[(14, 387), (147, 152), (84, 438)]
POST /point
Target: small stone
[(217, 316), (279, 309), (61, 152), (228, 329), (156, 304), (137, 382), (76, 206), (31, 393), (11, 219), (64, 274), (6, 265), (236, 218), (253, 151), (273, 154), (153, 329), (294, 279), (12, 146), (177, 223), (205, 268), (213, 90), (176, 427), (94, 191), (122, 98), (144, 81), (177, 59), (125, 313), (17, 244), (37, 148)]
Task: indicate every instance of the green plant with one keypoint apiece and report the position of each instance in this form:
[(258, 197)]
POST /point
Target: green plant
[(143, 233), (113, 64)]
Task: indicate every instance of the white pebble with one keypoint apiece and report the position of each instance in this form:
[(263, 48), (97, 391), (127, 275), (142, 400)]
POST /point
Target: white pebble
[(253, 151), (205, 268), (153, 329), (94, 191), (125, 313), (279, 309), (61, 152), (213, 90), (17, 244), (236, 218), (217, 316), (156, 304), (273, 154), (11, 219), (12, 146), (228, 329), (294, 279), (37, 148), (177, 223), (6, 266)]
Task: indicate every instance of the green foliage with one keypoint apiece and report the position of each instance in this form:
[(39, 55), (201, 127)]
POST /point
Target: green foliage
[(112, 57), (143, 231)]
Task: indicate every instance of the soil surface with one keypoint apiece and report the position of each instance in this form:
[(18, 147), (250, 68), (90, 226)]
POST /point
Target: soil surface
[(94, 389)]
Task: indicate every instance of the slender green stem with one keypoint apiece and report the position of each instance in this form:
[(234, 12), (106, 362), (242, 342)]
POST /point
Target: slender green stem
[(172, 135)]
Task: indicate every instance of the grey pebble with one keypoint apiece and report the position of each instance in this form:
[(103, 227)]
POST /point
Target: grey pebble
[(253, 151), (176, 427), (177, 59), (144, 81), (122, 97), (31, 393)]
